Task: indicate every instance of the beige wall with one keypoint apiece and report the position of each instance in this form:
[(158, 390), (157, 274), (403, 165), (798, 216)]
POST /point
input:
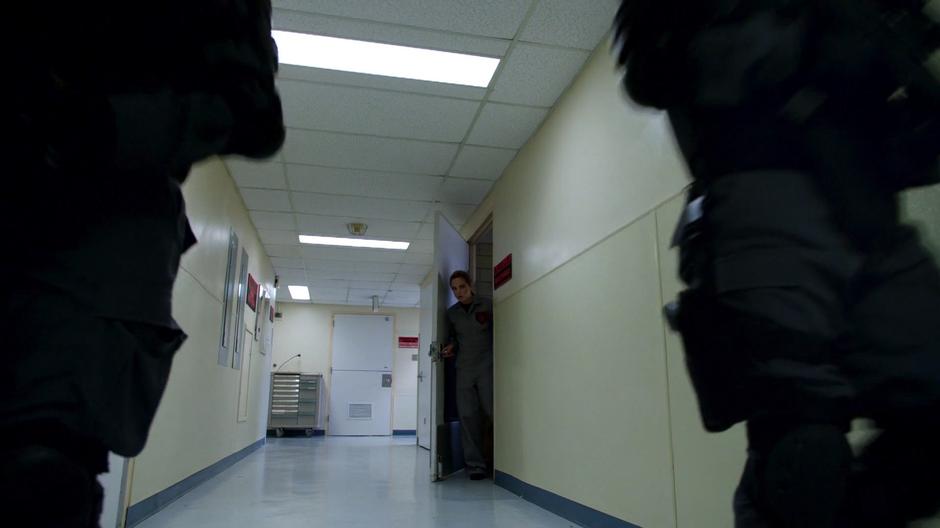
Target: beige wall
[(306, 329), (196, 424)]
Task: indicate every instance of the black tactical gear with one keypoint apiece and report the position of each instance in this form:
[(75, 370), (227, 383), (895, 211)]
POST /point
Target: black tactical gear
[(107, 107), (809, 304)]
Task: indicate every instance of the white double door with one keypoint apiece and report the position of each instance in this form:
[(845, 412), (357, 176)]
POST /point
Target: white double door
[(361, 384)]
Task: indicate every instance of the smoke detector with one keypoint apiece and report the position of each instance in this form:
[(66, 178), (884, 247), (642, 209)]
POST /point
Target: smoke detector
[(357, 229)]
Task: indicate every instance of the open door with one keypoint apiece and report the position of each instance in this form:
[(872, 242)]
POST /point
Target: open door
[(425, 421), (451, 253)]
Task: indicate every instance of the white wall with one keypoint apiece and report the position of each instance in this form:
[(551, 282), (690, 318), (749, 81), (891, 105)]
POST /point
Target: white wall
[(306, 329), (196, 424)]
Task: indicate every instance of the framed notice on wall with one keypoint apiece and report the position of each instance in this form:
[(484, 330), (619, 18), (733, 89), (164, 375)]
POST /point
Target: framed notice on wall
[(252, 299), (227, 340)]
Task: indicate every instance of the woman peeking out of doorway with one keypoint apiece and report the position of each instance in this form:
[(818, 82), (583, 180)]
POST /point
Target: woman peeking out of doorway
[(469, 339)]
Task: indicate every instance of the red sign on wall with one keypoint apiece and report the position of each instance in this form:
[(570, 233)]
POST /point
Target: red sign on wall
[(407, 342), (502, 273), (252, 298)]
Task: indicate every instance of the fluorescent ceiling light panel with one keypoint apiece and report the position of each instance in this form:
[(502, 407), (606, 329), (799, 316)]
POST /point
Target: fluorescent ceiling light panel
[(314, 51), (353, 242), (299, 293)]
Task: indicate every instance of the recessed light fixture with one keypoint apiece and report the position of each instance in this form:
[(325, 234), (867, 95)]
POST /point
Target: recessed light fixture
[(299, 293), (357, 229), (357, 56), (354, 242)]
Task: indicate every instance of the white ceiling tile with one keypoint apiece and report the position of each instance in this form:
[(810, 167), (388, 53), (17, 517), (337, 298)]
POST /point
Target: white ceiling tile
[(283, 251), (422, 246), (284, 297), (264, 200), (314, 264), (482, 162), (269, 236), (461, 191), (570, 23), (398, 304), (426, 232), (349, 266), (401, 299), (370, 285), (391, 84), (263, 174), (319, 294), (336, 226), (365, 152), (401, 295), (278, 221), (350, 276), (373, 184), (398, 287), (352, 254), (506, 126), (491, 18), (424, 259), (292, 263), (404, 298), (416, 283), (331, 302), (411, 276), (456, 214), (374, 277), (535, 75), (291, 276), (325, 204), (362, 295), (327, 283), (328, 274), (374, 112), (415, 269), (376, 267)]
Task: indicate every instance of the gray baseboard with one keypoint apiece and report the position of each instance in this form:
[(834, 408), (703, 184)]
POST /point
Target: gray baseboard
[(560, 506), (151, 505)]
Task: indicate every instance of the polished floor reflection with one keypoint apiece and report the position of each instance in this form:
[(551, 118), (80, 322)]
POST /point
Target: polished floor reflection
[(346, 483)]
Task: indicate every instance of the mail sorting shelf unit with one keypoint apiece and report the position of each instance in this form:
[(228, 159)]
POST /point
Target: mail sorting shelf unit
[(295, 402)]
